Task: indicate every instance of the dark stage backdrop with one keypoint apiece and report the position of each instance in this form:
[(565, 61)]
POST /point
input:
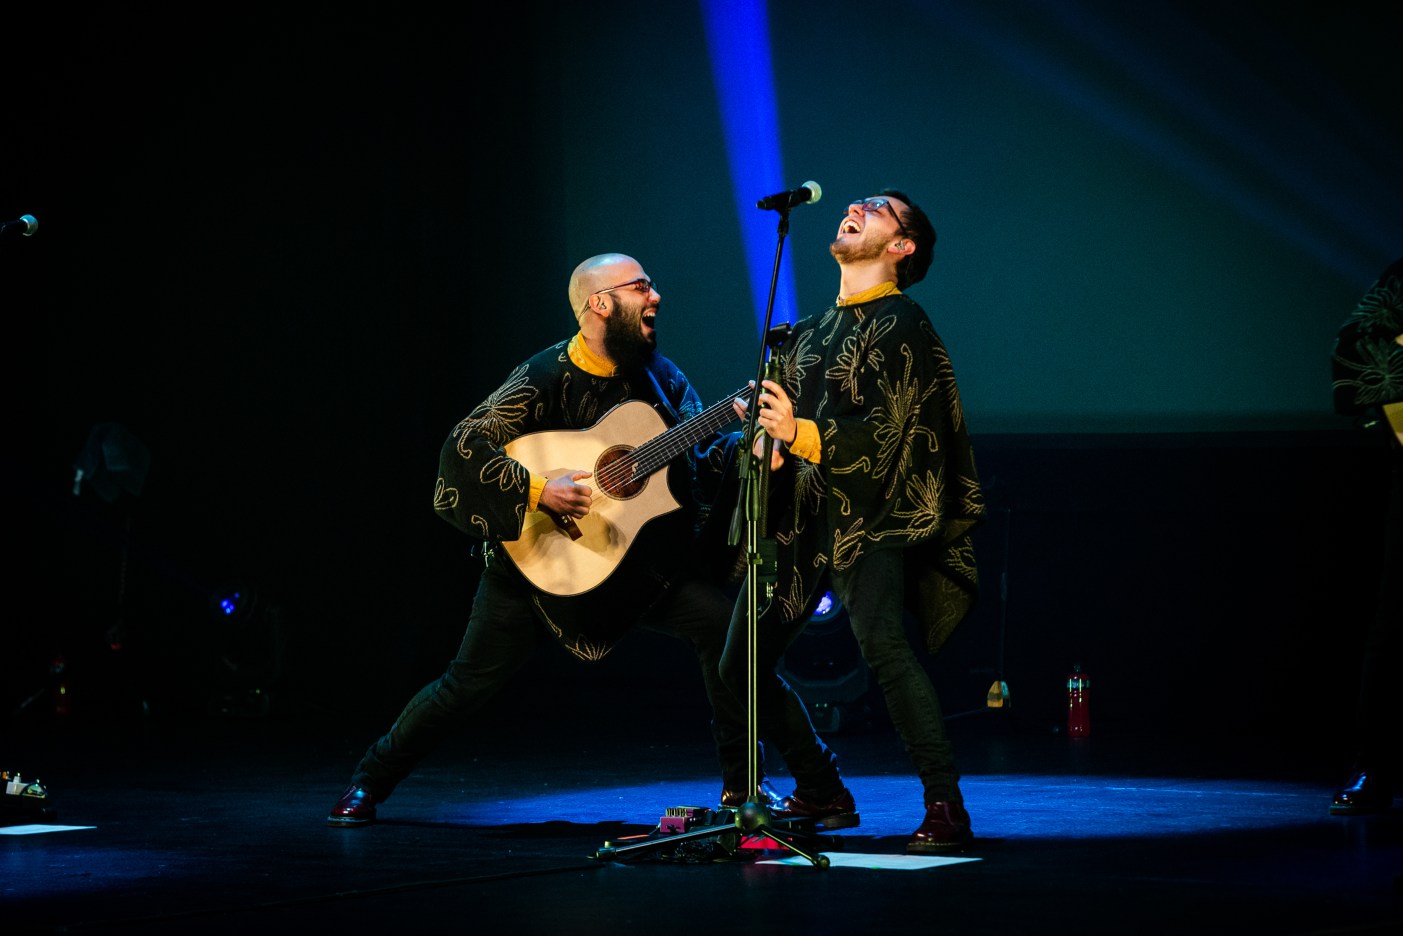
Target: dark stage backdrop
[(286, 250)]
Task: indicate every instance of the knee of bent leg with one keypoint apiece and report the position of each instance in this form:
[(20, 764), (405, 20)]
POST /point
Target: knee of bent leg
[(452, 691), (735, 670)]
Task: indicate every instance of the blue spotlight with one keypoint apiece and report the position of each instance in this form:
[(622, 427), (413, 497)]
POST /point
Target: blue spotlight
[(738, 37)]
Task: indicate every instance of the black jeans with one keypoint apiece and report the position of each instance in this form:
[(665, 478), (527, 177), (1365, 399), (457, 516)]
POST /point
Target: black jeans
[(872, 592), (504, 632)]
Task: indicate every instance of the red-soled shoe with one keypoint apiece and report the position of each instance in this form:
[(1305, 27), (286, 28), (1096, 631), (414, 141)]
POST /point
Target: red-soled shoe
[(946, 827), (840, 812), (356, 807)]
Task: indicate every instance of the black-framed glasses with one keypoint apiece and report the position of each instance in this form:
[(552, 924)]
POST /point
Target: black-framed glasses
[(642, 284), (875, 205)]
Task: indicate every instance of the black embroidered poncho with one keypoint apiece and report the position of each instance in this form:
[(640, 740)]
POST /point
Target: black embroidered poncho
[(485, 493), (896, 469), (1367, 364)]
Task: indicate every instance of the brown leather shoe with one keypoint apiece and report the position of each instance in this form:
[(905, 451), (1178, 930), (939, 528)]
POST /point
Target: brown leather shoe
[(734, 799), (356, 807), (838, 813), (946, 827), (1365, 792)]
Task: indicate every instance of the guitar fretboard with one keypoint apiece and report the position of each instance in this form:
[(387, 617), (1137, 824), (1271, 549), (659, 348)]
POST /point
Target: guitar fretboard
[(661, 449)]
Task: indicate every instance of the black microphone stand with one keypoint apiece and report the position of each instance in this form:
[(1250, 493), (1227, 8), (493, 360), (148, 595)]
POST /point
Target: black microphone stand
[(752, 819)]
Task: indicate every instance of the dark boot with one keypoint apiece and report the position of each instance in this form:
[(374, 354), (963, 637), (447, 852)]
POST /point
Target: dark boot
[(356, 807), (829, 812), (946, 827)]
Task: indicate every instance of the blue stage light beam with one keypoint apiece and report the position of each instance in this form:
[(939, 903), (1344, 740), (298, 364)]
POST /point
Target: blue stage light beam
[(738, 40)]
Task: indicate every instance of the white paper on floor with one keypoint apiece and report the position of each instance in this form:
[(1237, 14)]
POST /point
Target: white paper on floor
[(35, 829), (881, 862)]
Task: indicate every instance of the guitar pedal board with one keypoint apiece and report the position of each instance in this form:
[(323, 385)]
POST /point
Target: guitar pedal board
[(23, 800)]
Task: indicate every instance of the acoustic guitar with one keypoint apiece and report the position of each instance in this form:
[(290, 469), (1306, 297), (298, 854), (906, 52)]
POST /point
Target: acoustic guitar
[(627, 450)]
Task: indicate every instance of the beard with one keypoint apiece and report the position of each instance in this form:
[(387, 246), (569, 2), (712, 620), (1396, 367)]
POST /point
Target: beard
[(624, 340), (850, 252)]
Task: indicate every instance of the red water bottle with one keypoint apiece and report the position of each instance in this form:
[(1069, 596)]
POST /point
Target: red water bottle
[(1078, 703)]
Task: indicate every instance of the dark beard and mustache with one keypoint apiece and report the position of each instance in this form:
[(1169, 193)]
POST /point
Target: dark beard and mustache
[(625, 342), (864, 249)]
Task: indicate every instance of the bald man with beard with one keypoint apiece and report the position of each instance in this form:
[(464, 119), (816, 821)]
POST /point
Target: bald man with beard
[(671, 578)]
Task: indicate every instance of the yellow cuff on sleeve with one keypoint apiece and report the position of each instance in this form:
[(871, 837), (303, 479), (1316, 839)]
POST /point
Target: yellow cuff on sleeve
[(807, 444), (538, 484)]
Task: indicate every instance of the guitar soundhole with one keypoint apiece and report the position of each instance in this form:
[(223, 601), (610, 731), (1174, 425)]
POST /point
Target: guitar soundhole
[(615, 473)]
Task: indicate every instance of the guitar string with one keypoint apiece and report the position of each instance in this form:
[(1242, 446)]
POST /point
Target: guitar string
[(624, 469)]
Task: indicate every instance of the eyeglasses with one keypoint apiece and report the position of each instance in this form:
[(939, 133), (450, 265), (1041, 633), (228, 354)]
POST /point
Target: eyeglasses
[(641, 284), (875, 205)]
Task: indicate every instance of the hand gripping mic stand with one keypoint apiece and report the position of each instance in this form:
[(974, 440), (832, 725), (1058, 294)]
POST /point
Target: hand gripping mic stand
[(752, 819)]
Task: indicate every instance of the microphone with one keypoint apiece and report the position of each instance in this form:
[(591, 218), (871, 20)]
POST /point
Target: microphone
[(24, 224), (783, 201)]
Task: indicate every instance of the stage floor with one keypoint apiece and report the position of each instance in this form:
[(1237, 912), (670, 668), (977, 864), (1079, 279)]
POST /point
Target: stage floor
[(218, 825)]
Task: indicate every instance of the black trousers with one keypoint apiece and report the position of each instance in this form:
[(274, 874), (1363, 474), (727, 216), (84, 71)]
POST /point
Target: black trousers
[(502, 635), (872, 592)]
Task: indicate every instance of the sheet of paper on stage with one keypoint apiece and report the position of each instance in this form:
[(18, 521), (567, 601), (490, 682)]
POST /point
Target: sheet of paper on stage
[(881, 862), (35, 829)]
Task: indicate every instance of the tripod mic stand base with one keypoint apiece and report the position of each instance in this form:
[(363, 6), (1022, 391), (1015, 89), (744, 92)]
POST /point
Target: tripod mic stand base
[(733, 835)]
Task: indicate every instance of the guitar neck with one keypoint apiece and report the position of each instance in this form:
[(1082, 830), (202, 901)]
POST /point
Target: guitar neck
[(661, 449)]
